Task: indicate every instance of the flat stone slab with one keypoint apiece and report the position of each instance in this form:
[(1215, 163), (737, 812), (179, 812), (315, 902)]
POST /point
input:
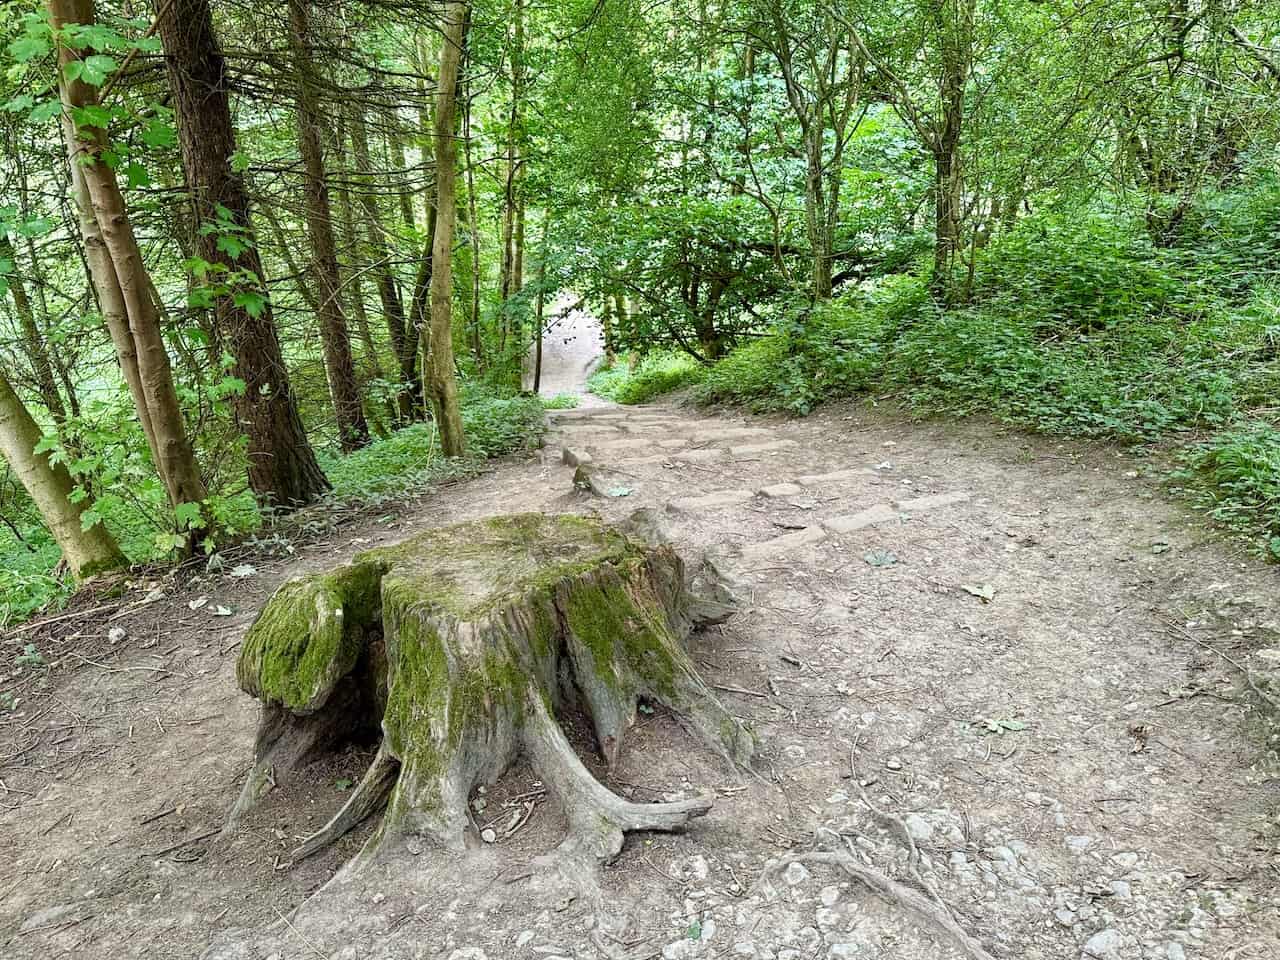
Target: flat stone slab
[(731, 433), (836, 476), (700, 455), (586, 413), (771, 446), (933, 502), (712, 501), (785, 543), (625, 444), (880, 513), (781, 490)]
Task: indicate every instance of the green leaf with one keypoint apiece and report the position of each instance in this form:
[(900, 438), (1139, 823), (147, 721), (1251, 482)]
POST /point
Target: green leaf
[(239, 162), (26, 49), (252, 302), (187, 515), (45, 112), (232, 246), (89, 519), (695, 931), (137, 174), (158, 133), (24, 101), (91, 116)]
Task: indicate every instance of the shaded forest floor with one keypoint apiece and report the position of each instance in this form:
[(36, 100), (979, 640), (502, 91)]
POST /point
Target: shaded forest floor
[(1014, 646)]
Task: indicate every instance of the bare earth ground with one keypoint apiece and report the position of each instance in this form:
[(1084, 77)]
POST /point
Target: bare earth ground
[(1012, 646)]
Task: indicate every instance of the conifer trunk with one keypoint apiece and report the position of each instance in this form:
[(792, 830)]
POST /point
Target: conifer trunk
[(353, 430), (283, 471)]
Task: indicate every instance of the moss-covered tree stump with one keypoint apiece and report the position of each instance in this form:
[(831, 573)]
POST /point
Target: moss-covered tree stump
[(461, 646)]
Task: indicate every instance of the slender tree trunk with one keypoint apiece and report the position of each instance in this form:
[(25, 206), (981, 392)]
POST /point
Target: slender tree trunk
[(283, 471), (956, 54), (353, 430), (441, 385), (388, 289), (395, 147), (120, 276), (87, 552), (538, 320), (606, 327), (32, 339), (473, 233), (815, 207)]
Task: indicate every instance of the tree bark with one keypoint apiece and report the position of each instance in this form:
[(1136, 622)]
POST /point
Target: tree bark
[(50, 486), (388, 290), (441, 384), (120, 276), (283, 471), (344, 388), (32, 338)]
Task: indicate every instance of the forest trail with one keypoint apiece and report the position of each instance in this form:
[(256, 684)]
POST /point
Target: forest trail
[(1006, 642), (572, 348)]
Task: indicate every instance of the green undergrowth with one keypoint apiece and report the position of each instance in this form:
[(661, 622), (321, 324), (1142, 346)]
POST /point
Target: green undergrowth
[(1076, 326), (405, 463), (640, 380)]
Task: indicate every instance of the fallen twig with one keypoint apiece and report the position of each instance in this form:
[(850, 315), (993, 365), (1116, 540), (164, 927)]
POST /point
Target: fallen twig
[(298, 933), (906, 897), (182, 843), (1244, 671), (729, 688)]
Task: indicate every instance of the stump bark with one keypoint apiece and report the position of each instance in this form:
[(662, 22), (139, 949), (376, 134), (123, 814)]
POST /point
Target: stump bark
[(461, 647)]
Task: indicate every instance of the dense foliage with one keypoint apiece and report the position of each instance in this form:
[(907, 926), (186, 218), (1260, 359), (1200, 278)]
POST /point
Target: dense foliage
[(1065, 215)]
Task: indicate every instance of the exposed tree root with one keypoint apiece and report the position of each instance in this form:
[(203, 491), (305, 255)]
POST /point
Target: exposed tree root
[(910, 899), (463, 644)]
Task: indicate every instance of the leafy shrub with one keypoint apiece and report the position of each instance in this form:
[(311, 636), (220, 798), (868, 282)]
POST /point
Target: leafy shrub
[(561, 401), (656, 373), (1235, 476), (832, 351)]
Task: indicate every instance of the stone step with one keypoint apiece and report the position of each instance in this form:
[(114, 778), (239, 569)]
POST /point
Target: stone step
[(850, 522), (933, 502), (712, 501), (784, 544), (835, 476), (771, 446)]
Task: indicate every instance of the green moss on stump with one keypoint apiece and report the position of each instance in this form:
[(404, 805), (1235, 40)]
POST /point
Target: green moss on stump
[(485, 625), (309, 636)]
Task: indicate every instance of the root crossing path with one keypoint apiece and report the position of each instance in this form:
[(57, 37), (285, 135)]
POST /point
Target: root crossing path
[(991, 676)]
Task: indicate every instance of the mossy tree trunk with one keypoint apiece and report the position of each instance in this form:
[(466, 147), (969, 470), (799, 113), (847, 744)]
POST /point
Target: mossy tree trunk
[(464, 645)]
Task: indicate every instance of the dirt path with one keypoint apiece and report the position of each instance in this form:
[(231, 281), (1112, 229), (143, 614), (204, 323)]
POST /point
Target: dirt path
[(1007, 644), (572, 348)]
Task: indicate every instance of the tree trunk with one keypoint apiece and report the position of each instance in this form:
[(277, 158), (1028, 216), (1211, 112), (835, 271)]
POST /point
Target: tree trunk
[(32, 338), (395, 147), (120, 276), (87, 552), (388, 289), (956, 56), (441, 385), (473, 234), (283, 471), (815, 208), (353, 431), (557, 610)]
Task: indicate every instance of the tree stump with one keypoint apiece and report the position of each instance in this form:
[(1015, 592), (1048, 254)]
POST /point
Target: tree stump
[(461, 646)]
